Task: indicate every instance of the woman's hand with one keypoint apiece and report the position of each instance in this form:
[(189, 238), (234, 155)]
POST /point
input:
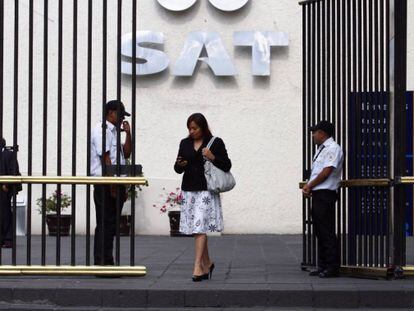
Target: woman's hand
[(5, 188), (181, 162), (208, 154)]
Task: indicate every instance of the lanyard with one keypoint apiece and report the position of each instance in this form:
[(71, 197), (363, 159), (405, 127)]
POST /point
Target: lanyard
[(319, 152)]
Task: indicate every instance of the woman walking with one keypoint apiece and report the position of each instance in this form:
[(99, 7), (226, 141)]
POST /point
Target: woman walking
[(201, 209)]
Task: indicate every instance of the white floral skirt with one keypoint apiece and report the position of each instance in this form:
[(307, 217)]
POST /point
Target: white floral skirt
[(201, 212)]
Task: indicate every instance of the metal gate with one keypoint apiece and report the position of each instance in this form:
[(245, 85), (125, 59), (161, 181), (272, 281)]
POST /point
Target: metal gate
[(354, 75), (46, 58)]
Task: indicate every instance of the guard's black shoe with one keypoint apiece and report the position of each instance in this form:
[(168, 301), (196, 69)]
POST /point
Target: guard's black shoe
[(7, 244), (315, 272), (329, 274)]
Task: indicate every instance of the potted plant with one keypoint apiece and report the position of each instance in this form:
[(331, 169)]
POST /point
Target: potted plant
[(171, 202), (51, 205)]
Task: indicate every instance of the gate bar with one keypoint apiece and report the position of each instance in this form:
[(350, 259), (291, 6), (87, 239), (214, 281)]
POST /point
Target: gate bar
[(377, 135), (74, 129), (74, 270), (352, 238), (388, 89), (30, 136), (1, 91), (73, 180), (304, 129), (383, 195), (118, 133), (45, 104), (346, 43), (59, 126), (15, 113), (88, 141), (134, 103), (104, 99), (380, 182), (1, 65), (399, 71), (309, 143), (407, 180), (313, 114)]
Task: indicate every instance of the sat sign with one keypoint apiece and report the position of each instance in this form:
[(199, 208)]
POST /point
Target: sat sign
[(150, 59)]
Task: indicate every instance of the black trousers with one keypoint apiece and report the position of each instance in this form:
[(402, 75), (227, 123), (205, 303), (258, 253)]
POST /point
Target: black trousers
[(7, 217), (323, 217), (102, 194)]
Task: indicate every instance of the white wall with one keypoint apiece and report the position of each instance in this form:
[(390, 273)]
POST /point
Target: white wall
[(258, 118)]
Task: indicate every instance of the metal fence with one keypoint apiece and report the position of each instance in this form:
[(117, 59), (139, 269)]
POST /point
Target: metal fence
[(49, 111), (353, 79)]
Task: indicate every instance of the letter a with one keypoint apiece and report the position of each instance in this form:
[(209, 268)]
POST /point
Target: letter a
[(218, 59)]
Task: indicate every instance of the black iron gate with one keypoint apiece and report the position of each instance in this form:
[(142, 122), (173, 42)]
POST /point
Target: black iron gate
[(354, 54), (46, 109)]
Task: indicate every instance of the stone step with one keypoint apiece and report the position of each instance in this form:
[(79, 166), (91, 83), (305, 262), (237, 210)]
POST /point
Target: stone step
[(282, 296)]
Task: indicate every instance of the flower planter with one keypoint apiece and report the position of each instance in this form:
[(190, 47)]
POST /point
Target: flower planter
[(125, 225), (175, 224), (52, 224)]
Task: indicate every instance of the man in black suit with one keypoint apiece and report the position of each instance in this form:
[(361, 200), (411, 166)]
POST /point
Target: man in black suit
[(8, 166)]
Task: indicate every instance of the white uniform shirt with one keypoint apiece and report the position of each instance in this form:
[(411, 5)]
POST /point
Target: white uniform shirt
[(329, 154), (111, 146)]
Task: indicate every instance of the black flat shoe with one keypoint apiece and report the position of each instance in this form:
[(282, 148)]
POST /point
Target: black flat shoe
[(210, 274), (198, 278)]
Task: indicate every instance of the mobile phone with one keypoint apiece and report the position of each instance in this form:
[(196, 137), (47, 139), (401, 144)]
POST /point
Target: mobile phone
[(181, 159)]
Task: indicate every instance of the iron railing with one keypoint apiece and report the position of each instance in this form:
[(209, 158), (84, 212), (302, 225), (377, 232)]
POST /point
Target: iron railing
[(351, 79), (51, 109)]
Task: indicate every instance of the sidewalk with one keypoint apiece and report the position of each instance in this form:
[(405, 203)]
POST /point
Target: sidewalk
[(251, 271)]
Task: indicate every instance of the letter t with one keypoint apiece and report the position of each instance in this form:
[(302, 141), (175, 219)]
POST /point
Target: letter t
[(261, 43)]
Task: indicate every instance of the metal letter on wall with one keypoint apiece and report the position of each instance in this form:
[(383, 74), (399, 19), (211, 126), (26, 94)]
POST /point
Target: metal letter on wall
[(218, 58), (223, 5), (177, 5), (229, 5), (154, 61), (261, 42)]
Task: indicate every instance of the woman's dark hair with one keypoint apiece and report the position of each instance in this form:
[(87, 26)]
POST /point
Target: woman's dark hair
[(2, 143), (201, 121)]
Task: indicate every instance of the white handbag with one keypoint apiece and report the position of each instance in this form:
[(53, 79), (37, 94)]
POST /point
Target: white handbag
[(217, 180)]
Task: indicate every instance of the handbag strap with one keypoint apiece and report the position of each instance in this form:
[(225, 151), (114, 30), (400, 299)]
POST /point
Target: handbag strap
[(210, 143)]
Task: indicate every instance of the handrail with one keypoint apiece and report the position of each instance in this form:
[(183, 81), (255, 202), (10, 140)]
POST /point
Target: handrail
[(349, 183), (407, 180), (74, 180), (74, 270)]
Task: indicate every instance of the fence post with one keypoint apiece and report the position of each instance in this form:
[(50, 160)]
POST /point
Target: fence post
[(398, 71)]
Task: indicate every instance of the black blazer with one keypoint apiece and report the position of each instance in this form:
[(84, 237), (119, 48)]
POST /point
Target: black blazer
[(194, 179), (10, 166)]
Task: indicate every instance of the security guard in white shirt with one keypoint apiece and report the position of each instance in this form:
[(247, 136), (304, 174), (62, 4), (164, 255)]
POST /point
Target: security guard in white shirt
[(104, 193), (323, 187)]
